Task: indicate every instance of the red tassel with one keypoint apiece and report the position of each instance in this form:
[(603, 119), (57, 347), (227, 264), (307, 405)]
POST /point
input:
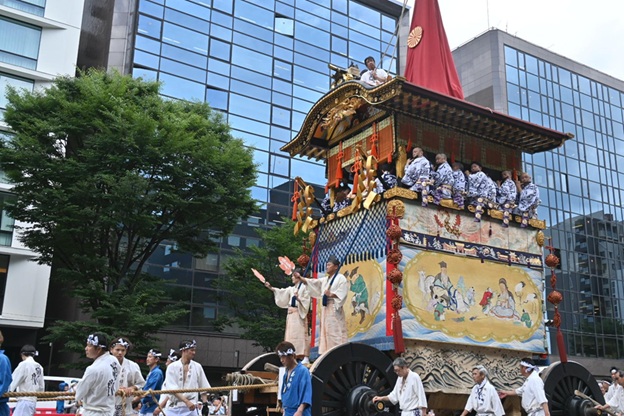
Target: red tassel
[(399, 344), (295, 201), (514, 175), (339, 164), (389, 157), (357, 166), (374, 140)]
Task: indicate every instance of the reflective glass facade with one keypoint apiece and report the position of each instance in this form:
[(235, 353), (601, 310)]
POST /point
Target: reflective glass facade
[(582, 191), (263, 64)]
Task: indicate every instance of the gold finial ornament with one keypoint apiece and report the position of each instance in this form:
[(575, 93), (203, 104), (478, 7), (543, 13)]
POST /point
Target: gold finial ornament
[(396, 208), (414, 37), (539, 238)]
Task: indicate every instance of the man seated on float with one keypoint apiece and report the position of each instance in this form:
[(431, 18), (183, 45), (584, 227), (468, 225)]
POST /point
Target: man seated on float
[(442, 179), (341, 200), (528, 200), (418, 174), (387, 180), (373, 76), (506, 196), (479, 189), (459, 184)]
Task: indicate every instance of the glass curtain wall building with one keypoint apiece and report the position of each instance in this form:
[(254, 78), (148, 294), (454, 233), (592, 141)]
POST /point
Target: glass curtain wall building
[(263, 64), (580, 185)]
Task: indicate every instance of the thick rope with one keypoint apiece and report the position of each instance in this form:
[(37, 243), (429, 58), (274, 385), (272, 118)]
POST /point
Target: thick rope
[(140, 393)]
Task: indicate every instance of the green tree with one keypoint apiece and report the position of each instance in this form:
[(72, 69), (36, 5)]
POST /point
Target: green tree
[(252, 305), (105, 170)]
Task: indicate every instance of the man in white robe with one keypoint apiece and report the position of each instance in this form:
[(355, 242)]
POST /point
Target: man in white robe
[(100, 382), (534, 400), (332, 290), (130, 378), (483, 398), (408, 391), (297, 300), (28, 376), (186, 374), (615, 402), (614, 384), (528, 199)]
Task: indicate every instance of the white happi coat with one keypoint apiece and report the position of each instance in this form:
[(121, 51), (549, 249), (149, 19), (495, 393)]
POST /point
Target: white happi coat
[(195, 379), (333, 321), (532, 392), (98, 386), (297, 319), (409, 393), (616, 399), (484, 400), (130, 376), (28, 376)]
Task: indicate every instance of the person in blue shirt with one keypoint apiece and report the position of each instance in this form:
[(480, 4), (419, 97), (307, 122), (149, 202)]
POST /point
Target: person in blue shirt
[(60, 404), (296, 385), (6, 378), (154, 381)]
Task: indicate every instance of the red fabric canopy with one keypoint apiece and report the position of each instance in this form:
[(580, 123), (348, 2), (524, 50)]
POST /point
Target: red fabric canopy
[(430, 64)]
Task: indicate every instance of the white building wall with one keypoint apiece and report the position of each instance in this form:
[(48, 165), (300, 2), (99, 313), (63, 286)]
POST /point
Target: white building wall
[(26, 288)]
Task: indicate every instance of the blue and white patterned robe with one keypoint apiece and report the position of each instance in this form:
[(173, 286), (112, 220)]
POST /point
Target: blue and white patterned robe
[(507, 192), (478, 185), (417, 172), (529, 198)]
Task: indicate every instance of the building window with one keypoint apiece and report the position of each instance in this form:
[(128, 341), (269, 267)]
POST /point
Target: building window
[(6, 222), (36, 7), (19, 43), (4, 273), (11, 81), (285, 25)]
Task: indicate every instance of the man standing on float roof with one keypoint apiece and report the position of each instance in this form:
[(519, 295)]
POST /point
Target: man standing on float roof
[(333, 290)]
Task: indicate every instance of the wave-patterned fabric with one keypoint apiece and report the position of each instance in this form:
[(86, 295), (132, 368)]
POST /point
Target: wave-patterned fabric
[(357, 237)]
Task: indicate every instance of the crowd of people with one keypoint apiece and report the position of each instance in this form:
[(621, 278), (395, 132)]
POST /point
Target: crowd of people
[(444, 181), (97, 393)]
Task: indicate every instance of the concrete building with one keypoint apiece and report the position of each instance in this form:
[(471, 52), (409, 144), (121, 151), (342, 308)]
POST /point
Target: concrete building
[(38, 41), (582, 188), (263, 64)]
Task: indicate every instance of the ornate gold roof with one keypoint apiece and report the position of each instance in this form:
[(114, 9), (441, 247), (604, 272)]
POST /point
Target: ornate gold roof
[(318, 132)]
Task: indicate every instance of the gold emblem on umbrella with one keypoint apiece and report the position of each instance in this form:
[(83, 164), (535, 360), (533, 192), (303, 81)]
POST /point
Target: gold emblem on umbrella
[(414, 37)]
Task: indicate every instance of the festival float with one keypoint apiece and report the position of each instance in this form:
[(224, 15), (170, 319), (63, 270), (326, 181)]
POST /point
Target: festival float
[(428, 283)]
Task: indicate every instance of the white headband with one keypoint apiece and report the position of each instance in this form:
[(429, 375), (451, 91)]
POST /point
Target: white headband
[(121, 342), (155, 353), (188, 345), (171, 356), (529, 366), (93, 340), (614, 371), (289, 351)]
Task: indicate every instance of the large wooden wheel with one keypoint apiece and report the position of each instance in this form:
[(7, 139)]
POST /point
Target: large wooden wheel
[(347, 377), (561, 380)]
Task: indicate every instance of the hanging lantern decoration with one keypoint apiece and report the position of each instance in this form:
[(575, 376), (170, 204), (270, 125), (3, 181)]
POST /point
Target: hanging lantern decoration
[(395, 277), (395, 210), (555, 297), (394, 232)]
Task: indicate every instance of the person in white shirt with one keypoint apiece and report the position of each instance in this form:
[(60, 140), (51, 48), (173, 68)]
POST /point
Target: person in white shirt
[(615, 403), (408, 391), (130, 378), (373, 76), (28, 376), (534, 399), (614, 384), (164, 398), (333, 290), (96, 391), (483, 398), (186, 374)]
